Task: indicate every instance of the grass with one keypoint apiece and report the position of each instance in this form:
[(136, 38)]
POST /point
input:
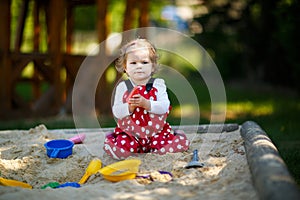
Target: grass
[(275, 110)]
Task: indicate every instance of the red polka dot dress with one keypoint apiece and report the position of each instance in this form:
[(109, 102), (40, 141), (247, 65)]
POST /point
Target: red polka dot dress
[(144, 132)]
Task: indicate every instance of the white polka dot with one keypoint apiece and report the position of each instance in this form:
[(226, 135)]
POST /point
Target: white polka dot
[(123, 142), (155, 136), (137, 122), (168, 130), (155, 142), (177, 140), (131, 150), (133, 115), (128, 122), (143, 129), (145, 112), (162, 150), (186, 142), (122, 150), (162, 142), (171, 149), (124, 136), (114, 148), (152, 115), (147, 131), (145, 92), (157, 126), (137, 109), (179, 146), (181, 137), (150, 123), (151, 98), (170, 142), (132, 143), (132, 128)]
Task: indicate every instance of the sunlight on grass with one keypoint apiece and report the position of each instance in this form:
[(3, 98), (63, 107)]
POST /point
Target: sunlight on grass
[(28, 71), (186, 110), (234, 110), (237, 109)]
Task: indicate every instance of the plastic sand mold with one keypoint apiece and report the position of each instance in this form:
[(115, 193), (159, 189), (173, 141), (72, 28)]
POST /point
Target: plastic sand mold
[(78, 138), (59, 148), (122, 170), (55, 185)]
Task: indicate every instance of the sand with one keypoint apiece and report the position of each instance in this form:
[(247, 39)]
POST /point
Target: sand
[(225, 174)]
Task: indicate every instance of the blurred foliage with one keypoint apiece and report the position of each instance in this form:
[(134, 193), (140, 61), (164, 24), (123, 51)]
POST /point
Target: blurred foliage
[(254, 40)]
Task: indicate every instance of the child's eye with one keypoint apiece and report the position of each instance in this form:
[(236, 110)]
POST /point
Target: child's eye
[(145, 62), (133, 63)]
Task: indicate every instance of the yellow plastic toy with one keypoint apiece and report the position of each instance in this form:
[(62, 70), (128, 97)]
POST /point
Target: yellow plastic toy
[(92, 168), (14, 183), (122, 170)]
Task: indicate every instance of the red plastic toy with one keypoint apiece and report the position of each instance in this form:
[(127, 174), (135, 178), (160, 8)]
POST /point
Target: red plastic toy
[(134, 91)]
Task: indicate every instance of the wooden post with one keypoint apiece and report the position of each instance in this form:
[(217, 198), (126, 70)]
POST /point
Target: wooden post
[(144, 17), (103, 93), (269, 172), (129, 14), (36, 47), (5, 62), (56, 17), (70, 27), (21, 25)]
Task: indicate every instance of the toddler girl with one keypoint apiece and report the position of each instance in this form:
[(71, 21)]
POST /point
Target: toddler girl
[(141, 105)]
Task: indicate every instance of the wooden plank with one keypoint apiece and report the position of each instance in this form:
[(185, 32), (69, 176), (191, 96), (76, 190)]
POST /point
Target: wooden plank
[(70, 27), (36, 85), (21, 25), (5, 64), (269, 172)]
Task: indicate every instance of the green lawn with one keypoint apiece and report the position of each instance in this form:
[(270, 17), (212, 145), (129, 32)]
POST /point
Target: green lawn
[(275, 110)]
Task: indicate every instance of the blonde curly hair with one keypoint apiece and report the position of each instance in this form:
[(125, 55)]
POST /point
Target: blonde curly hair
[(133, 45)]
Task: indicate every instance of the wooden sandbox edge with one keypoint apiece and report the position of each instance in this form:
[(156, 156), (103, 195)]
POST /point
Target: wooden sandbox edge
[(270, 175)]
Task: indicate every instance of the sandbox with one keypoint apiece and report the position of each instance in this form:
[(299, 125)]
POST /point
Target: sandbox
[(238, 164)]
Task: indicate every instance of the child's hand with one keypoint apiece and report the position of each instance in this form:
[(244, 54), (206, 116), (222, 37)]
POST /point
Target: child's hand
[(138, 100)]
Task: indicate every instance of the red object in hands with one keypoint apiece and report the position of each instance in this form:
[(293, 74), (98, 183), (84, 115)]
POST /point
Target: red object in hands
[(134, 91)]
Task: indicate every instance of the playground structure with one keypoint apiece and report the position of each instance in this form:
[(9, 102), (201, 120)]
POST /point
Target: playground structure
[(59, 20)]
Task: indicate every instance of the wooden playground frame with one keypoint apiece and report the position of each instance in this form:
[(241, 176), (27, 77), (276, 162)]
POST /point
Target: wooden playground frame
[(59, 16)]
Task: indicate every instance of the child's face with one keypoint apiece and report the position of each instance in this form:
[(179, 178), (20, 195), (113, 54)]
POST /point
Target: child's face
[(139, 66)]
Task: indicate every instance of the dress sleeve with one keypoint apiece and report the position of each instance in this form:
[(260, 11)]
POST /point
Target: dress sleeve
[(119, 108), (161, 105)]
